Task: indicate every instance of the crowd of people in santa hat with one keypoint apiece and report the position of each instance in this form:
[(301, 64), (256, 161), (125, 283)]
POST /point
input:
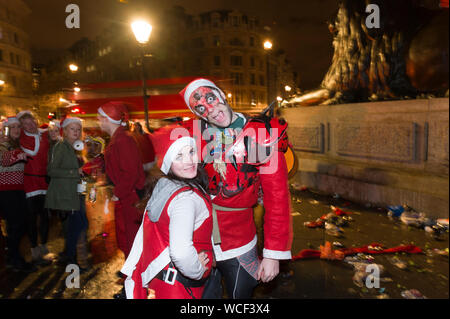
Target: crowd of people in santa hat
[(182, 226), (29, 194), (41, 171)]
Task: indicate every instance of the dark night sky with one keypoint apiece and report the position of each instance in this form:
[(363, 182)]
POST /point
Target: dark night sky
[(299, 26)]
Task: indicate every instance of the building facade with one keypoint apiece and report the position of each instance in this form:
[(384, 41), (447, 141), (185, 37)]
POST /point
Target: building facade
[(225, 45), (15, 58), (229, 45)]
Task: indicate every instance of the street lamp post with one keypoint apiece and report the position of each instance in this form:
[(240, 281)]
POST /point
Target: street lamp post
[(268, 47), (142, 31)]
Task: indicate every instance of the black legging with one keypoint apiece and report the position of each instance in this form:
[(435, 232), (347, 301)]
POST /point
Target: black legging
[(239, 283), (14, 209), (36, 210), (74, 224)]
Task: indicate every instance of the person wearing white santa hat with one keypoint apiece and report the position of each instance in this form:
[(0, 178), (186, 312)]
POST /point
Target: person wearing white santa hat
[(64, 195), (172, 252), (124, 169), (54, 131), (36, 144)]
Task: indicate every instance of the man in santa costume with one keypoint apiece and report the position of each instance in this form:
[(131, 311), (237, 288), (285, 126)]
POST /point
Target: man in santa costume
[(35, 143), (124, 169), (244, 160)]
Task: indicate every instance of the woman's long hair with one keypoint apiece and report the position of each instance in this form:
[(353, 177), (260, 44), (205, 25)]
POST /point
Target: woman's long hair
[(199, 182)]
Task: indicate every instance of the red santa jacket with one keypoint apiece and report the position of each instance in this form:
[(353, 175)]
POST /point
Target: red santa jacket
[(124, 166), (36, 146), (150, 252), (145, 147), (242, 184)]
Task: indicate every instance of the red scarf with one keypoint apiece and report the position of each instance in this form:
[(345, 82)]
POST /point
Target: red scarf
[(311, 253)]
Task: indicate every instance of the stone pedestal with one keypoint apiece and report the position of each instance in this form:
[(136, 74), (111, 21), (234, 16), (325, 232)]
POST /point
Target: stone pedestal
[(384, 153)]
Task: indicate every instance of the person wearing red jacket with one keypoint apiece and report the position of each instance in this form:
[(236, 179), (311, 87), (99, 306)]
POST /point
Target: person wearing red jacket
[(172, 252), (244, 160), (35, 143), (124, 169)]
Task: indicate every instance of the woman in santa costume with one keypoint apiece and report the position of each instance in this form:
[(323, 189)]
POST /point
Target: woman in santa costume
[(124, 169), (244, 160), (172, 252)]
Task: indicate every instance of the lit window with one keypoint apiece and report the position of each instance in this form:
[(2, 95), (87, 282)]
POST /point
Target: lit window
[(216, 41)]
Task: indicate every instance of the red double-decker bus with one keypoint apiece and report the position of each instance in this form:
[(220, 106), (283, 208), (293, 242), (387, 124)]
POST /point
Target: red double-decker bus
[(163, 99)]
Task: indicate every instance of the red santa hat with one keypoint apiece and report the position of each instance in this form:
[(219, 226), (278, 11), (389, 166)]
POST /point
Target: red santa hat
[(194, 85), (168, 141), (69, 120), (10, 121), (115, 111)]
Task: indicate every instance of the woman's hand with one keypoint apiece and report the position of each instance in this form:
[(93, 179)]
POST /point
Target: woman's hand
[(22, 156), (204, 259), (268, 269)]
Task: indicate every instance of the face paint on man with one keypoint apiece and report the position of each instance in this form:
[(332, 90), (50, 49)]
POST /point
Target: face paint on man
[(203, 100), (209, 104)]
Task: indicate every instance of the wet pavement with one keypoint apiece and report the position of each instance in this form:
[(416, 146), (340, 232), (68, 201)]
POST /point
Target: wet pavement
[(428, 272)]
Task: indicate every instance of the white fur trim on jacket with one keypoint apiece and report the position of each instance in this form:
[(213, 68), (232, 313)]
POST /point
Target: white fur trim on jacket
[(37, 144), (232, 253)]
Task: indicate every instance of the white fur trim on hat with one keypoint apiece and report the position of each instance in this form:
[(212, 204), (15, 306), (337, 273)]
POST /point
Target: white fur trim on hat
[(194, 85), (22, 113), (173, 151), (103, 113), (70, 120), (55, 123)]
